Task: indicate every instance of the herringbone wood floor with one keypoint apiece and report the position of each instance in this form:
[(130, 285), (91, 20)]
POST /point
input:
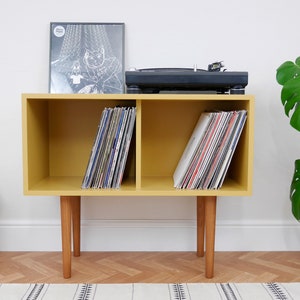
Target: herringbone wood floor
[(153, 267)]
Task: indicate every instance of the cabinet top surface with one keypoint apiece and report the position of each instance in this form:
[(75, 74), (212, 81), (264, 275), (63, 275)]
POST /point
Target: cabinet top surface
[(137, 96)]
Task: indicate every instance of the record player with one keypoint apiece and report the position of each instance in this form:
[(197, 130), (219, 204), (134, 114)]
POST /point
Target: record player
[(186, 80)]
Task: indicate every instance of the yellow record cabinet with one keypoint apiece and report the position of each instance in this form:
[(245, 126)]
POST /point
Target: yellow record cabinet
[(59, 132)]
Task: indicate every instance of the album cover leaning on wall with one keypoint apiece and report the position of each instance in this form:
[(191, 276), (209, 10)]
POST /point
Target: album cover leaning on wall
[(86, 58)]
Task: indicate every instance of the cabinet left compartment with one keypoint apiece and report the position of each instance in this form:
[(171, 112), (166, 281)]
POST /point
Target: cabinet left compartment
[(58, 136)]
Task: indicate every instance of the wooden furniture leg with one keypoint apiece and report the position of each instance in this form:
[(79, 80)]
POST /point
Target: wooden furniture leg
[(66, 214), (76, 224), (70, 216), (210, 226), (200, 225)]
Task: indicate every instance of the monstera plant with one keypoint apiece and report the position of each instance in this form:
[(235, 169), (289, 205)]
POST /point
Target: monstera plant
[(288, 75)]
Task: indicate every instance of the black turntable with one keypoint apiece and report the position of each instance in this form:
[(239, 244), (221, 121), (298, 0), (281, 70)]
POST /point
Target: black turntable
[(182, 80)]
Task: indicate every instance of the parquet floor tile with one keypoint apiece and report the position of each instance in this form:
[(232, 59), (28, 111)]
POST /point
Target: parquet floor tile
[(152, 267)]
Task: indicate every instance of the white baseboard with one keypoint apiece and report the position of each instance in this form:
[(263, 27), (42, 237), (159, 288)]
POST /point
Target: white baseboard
[(151, 235)]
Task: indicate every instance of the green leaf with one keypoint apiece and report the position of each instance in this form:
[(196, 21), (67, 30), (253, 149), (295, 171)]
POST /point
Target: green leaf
[(289, 105), (297, 61), (295, 119), (295, 191), (290, 87), (296, 205), (287, 71)]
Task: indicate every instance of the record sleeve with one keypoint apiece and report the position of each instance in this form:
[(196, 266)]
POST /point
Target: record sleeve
[(86, 58)]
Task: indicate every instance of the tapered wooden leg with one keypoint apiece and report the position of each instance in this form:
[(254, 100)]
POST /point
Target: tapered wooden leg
[(210, 226), (200, 225), (76, 224), (66, 214)]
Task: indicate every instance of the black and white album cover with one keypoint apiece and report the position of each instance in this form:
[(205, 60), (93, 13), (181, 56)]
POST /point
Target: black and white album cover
[(86, 58)]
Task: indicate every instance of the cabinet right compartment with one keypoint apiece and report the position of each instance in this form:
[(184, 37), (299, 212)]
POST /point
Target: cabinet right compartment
[(166, 125)]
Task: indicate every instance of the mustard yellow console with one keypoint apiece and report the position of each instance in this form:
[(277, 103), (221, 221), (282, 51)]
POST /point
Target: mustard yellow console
[(59, 132)]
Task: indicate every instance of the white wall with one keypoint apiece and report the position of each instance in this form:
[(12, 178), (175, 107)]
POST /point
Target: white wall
[(254, 36)]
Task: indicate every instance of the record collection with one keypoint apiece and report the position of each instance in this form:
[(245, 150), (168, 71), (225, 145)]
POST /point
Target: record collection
[(109, 154), (207, 156)]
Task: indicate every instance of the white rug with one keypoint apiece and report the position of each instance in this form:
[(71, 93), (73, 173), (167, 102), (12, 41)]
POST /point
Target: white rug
[(141, 291)]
